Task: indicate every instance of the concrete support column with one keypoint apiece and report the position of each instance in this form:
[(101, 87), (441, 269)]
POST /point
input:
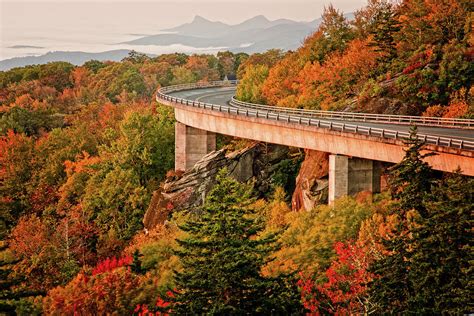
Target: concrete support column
[(349, 176), (191, 144)]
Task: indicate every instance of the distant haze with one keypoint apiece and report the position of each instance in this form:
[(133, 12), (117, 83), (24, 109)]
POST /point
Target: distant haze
[(37, 27)]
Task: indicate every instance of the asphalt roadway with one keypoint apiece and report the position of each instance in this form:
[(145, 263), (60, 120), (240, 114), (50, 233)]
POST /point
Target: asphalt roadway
[(222, 96)]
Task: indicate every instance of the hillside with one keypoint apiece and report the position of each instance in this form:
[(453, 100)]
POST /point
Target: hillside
[(95, 220)]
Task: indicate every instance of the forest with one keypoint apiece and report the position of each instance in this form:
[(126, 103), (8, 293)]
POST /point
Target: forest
[(83, 148)]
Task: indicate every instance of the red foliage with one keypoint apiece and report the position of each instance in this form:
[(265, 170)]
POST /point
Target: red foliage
[(42, 197), (346, 284), (113, 263), (161, 305), (418, 61)]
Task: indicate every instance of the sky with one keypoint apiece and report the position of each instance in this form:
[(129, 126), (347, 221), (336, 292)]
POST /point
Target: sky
[(94, 25)]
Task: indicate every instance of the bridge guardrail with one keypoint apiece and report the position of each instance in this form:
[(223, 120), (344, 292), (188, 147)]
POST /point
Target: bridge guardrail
[(366, 117), (303, 117)]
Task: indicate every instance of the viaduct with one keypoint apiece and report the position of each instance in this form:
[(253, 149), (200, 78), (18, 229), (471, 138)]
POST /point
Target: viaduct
[(357, 142)]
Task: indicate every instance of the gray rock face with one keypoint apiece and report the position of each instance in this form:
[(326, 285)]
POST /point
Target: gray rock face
[(188, 190)]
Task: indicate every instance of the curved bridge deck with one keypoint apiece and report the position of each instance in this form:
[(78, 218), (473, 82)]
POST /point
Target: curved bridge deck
[(211, 109)]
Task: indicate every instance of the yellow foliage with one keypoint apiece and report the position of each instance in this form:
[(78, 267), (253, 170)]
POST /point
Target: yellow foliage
[(307, 244)]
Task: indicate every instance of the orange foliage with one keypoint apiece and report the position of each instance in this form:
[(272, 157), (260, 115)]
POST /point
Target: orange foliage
[(199, 65), (281, 81), (82, 164), (80, 77), (430, 21), (102, 294), (458, 106), (109, 115), (434, 111), (28, 238), (24, 101), (341, 76)]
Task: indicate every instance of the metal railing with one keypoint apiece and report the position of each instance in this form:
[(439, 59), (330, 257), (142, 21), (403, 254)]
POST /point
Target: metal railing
[(302, 117), (365, 117)]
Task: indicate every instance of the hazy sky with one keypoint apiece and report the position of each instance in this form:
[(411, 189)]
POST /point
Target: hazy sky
[(89, 25)]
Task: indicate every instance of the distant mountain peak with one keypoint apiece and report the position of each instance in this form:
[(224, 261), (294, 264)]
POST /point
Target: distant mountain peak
[(260, 17), (198, 18)]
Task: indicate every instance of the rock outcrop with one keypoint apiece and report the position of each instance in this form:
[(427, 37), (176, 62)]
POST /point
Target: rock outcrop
[(312, 185), (188, 190)]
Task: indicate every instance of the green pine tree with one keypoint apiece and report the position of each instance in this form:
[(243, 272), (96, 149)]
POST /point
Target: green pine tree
[(223, 256), (385, 25), (411, 179), (136, 265), (441, 263), (410, 183)]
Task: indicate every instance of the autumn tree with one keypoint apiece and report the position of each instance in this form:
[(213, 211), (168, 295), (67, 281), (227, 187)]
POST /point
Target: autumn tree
[(335, 32), (431, 22), (226, 64), (16, 152), (281, 86), (268, 59), (113, 290), (13, 294), (222, 258), (344, 288), (250, 86)]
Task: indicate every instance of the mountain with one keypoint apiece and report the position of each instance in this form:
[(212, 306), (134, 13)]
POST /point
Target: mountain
[(200, 27), (257, 34), (253, 35), (76, 58)]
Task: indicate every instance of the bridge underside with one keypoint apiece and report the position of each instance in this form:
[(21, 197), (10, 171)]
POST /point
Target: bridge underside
[(311, 137), (354, 159)]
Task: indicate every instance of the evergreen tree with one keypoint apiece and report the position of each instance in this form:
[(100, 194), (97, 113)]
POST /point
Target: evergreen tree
[(136, 265), (223, 256), (385, 25), (410, 182), (411, 179), (440, 265)]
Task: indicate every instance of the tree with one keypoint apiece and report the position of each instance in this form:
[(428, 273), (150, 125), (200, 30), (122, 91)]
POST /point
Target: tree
[(11, 290), (411, 179), (112, 291), (250, 87), (281, 83), (410, 183), (385, 25), (16, 154), (345, 286), (222, 258), (441, 263), (135, 57), (333, 34)]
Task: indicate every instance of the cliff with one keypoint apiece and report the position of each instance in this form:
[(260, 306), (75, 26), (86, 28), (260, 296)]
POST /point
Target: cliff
[(188, 190), (312, 182)]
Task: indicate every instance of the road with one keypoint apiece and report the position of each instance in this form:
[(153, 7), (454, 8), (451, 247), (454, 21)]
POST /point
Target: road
[(222, 96)]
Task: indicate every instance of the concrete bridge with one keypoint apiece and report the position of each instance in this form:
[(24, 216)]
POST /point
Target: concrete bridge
[(355, 141)]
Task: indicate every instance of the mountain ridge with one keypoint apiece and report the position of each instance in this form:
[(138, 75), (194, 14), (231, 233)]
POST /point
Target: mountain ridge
[(253, 35)]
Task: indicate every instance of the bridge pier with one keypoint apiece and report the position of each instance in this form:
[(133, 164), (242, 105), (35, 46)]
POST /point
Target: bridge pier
[(191, 144), (349, 176)]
